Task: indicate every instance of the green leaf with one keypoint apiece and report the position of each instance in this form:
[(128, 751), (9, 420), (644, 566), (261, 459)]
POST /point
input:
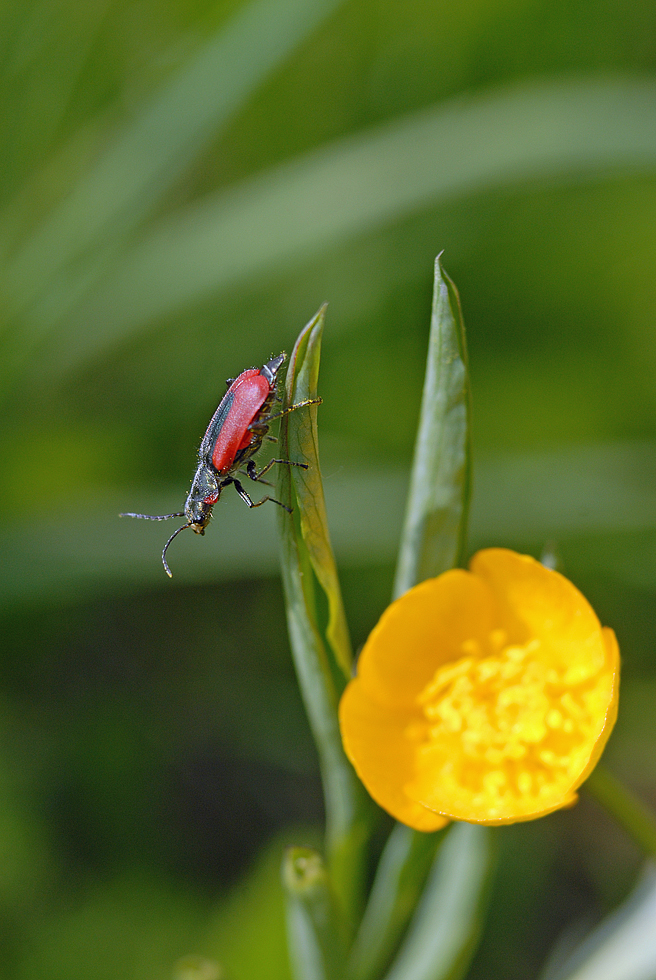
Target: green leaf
[(302, 439), (432, 542), (446, 924), (315, 938), (436, 516), (321, 654), (400, 878)]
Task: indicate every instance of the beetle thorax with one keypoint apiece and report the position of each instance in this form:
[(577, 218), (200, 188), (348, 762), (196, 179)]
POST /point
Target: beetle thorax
[(204, 493)]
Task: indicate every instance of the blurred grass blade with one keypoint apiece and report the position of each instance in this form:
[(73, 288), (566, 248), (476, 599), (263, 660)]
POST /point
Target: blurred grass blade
[(622, 947), (321, 656), (438, 501), (151, 154), (314, 936), (445, 926), (558, 128), (400, 878)]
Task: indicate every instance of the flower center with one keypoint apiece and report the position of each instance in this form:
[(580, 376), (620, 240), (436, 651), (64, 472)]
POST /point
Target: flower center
[(505, 727)]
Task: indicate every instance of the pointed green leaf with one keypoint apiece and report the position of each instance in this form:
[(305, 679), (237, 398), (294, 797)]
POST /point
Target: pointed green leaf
[(438, 501), (444, 923), (308, 489)]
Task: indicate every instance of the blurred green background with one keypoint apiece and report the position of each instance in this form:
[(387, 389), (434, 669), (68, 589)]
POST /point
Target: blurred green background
[(184, 182)]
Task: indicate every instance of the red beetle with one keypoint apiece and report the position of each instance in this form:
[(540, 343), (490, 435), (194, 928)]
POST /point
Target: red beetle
[(234, 435)]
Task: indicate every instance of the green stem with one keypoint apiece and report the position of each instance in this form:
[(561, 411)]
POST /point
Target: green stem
[(445, 927), (400, 878), (629, 811)]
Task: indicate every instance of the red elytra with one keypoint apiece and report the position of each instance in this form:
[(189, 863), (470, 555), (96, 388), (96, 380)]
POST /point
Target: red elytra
[(234, 435), (249, 391)]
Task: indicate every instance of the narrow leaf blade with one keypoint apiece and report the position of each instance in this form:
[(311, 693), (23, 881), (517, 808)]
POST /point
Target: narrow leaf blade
[(436, 517), (308, 488)]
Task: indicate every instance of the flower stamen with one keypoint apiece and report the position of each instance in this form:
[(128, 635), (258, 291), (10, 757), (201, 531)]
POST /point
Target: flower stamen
[(511, 711)]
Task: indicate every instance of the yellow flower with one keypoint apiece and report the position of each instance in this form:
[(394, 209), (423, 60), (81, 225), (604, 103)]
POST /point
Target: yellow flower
[(485, 696)]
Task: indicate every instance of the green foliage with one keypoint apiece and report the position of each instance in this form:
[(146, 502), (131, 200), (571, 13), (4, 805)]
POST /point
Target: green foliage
[(435, 528)]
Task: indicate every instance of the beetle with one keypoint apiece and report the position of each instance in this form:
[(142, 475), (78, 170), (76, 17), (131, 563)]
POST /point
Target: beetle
[(235, 434)]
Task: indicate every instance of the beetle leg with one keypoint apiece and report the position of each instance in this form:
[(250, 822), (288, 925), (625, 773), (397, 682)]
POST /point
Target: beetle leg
[(254, 475), (249, 470), (272, 438), (252, 472), (247, 500), (292, 408)]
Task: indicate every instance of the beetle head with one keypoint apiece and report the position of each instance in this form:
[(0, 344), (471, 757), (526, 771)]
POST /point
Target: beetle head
[(271, 368)]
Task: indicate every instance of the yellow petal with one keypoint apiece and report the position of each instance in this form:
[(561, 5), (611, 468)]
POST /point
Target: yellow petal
[(375, 742), (535, 602), (423, 629), (613, 666)]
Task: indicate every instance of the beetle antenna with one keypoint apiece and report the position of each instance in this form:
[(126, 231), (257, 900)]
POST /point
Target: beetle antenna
[(155, 517), (175, 533)]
